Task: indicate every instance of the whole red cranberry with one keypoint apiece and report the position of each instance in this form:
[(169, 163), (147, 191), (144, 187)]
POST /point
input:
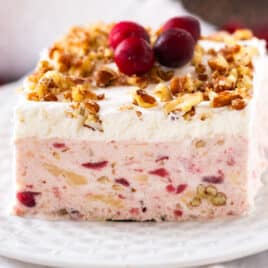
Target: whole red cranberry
[(27, 198), (232, 26), (124, 30), (174, 48), (134, 56), (187, 23), (261, 31)]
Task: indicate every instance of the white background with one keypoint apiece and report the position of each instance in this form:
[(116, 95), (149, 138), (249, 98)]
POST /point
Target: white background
[(27, 26)]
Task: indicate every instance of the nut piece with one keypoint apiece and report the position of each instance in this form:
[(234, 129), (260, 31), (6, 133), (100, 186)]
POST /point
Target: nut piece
[(176, 85), (196, 202), (143, 99), (139, 81), (103, 180), (211, 190), (198, 55), (238, 104), (77, 95), (50, 97), (117, 187), (106, 199), (218, 63), (219, 199), (105, 76), (184, 103), (243, 34), (164, 75), (92, 107), (80, 93), (182, 84), (93, 122), (162, 92), (201, 191), (224, 98), (200, 144), (72, 178)]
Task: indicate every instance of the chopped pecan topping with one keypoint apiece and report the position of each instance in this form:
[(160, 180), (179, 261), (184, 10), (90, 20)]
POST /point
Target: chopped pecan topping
[(238, 104), (199, 53), (189, 114), (105, 76), (33, 96), (93, 122), (183, 103), (224, 98), (203, 77), (162, 74), (81, 93), (143, 99), (243, 34), (77, 94), (200, 68), (80, 62), (50, 97), (92, 107), (182, 84), (139, 81), (176, 85), (218, 63), (163, 92), (230, 52), (223, 83)]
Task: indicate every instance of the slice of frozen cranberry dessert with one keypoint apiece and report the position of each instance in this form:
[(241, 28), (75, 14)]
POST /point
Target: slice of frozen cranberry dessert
[(120, 122)]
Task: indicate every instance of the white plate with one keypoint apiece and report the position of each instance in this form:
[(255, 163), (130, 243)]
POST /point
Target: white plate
[(73, 244)]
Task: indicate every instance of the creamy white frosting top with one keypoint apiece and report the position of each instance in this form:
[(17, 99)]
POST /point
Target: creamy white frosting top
[(49, 120)]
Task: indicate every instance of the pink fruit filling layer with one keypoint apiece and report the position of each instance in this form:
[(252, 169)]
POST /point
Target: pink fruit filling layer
[(61, 178)]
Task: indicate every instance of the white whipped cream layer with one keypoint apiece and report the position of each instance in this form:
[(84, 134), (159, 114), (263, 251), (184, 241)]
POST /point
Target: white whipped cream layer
[(49, 119)]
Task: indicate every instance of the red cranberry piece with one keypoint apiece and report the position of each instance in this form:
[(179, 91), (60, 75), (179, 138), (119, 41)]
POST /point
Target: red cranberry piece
[(134, 56), (27, 198), (161, 158), (95, 165), (178, 213), (58, 145), (187, 23), (170, 188), (174, 48), (122, 181), (134, 211), (124, 30), (181, 188), (213, 179), (161, 172)]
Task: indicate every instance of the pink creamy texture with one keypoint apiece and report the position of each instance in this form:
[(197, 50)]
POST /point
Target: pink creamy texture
[(88, 180)]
